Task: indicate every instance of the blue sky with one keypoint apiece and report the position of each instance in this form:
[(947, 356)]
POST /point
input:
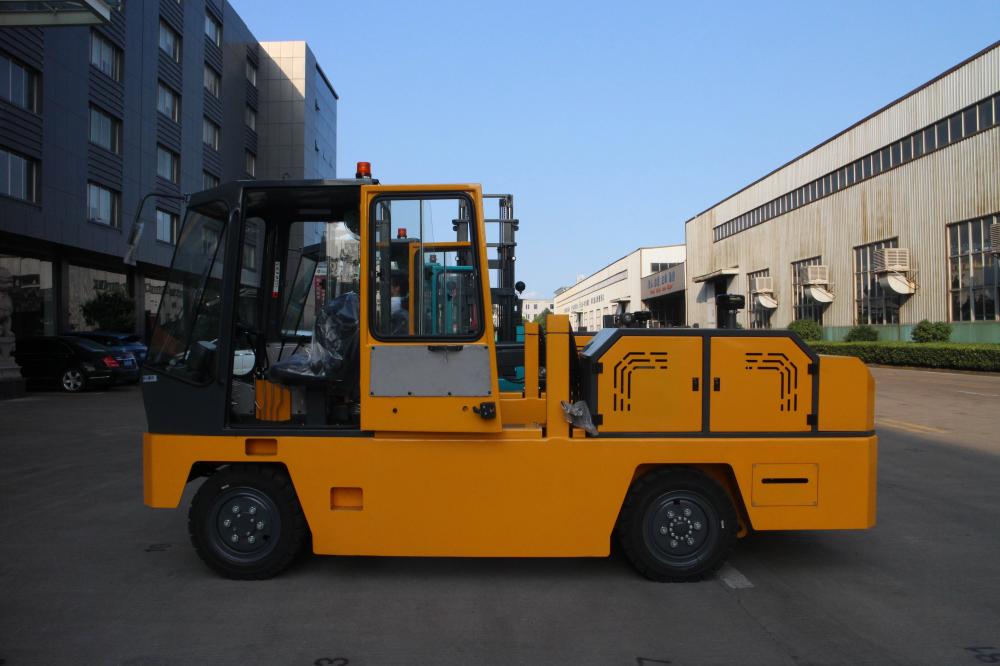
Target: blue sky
[(610, 124)]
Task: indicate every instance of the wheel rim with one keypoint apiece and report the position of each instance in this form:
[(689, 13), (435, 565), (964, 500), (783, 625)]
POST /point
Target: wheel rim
[(72, 380), (244, 524), (679, 527)]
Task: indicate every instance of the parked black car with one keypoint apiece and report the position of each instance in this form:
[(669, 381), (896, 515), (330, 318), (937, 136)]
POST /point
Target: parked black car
[(127, 341), (71, 362)]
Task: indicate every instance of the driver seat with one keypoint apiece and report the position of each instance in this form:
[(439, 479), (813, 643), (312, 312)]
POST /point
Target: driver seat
[(330, 365)]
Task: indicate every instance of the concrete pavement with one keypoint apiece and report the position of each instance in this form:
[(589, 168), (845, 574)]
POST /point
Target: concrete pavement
[(90, 575)]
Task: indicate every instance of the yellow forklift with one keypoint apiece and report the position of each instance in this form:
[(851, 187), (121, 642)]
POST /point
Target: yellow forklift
[(325, 354)]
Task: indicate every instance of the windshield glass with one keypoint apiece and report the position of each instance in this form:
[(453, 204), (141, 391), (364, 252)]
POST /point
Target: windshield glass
[(187, 325)]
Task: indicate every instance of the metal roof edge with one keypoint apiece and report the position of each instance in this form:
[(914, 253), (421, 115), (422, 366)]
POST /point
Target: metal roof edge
[(845, 131)]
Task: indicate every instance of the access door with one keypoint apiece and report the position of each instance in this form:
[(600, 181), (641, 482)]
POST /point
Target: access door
[(428, 358)]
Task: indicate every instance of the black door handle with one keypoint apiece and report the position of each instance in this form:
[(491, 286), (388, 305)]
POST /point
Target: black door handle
[(444, 348), (716, 384), (694, 383)]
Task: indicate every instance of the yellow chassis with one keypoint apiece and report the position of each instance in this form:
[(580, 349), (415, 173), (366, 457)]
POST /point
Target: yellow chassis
[(513, 495)]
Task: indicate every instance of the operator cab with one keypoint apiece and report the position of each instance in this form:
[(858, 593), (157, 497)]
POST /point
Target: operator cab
[(264, 316)]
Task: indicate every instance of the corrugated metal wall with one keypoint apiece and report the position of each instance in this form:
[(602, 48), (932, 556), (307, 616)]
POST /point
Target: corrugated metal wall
[(913, 202)]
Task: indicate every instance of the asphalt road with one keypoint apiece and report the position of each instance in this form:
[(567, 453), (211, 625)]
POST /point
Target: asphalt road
[(88, 575)]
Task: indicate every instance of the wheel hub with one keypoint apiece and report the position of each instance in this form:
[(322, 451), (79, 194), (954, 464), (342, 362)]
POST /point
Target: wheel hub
[(244, 522), (678, 526)]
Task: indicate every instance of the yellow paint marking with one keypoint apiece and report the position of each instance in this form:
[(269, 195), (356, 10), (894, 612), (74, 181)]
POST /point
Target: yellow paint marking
[(912, 427)]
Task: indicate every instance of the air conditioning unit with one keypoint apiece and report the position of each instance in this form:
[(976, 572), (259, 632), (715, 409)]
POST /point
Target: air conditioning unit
[(763, 285), (995, 238), (816, 275), (892, 260)]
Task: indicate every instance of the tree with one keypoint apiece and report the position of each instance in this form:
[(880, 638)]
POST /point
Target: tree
[(110, 311), (541, 317)]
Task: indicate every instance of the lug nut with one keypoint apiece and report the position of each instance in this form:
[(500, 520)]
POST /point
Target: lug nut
[(689, 540), (673, 543), (227, 522), (687, 512), (260, 524), (235, 538), (697, 525), (670, 514), (236, 508), (251, 538), (253, 510)]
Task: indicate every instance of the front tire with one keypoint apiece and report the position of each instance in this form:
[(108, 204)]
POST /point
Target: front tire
[(677, 525), (246, 522)]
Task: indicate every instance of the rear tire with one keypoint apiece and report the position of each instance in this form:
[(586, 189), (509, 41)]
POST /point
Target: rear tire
[(73, 380), (677, 524), (246, 522)]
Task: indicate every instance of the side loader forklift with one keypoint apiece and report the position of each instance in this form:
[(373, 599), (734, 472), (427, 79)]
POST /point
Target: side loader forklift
[(325, 354)]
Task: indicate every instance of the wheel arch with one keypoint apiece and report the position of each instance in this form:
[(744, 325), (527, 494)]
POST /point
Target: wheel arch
[(721, 473), (167, 469)]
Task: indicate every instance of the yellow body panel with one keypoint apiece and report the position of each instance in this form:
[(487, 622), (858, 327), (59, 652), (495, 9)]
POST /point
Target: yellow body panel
[(851, 390), (760, 384), (499, 496), (651, 384)]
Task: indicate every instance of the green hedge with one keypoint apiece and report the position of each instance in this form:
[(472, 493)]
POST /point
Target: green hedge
[(949, 355)]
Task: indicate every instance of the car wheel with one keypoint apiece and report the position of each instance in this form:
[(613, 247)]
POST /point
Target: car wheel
[(676, 525), (246, 522), (73, 380)]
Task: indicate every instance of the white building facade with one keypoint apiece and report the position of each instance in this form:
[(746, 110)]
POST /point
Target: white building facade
[(532, 307), (615, 288)]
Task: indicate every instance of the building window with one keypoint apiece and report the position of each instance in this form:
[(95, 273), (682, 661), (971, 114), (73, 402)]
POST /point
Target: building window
[(170, 42), (252, 73), (103, 205), (168, 102), (213, 29), (803, 305), (105, 56), (209, 180), (873, 304), (760, 317), (973, 272), (251, 164), (213, 82), (657, 267), (210, 134), (18, 84), (105, 130), (18, 176), (167, 225), (167, 164), (250, 117)]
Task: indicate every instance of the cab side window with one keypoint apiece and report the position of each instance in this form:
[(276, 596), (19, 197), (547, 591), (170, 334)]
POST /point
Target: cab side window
[(425, 281)]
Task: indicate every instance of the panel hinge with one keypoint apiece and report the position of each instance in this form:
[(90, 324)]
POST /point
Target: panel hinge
[(597, 419), (811, 419), (813, 368), (597, 368)]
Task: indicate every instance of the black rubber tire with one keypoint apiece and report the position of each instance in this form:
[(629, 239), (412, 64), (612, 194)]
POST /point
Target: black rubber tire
[(265, 487), (711, 524)]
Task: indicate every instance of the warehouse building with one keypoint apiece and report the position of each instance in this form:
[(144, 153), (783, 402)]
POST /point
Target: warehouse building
[(161, 98), (886, 223), (636, 282)]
